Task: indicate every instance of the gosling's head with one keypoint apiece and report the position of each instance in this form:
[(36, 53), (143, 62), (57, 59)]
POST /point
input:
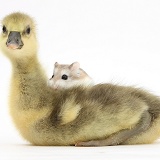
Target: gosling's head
[(18, 37)]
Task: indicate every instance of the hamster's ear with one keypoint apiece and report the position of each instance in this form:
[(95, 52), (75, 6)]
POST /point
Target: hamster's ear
[(74, 66), (56, 64)]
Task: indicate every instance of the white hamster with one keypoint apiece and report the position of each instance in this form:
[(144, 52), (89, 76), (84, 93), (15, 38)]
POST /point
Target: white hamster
[(66, 76)]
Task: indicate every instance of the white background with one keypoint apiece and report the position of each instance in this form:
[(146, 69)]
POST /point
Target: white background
[(115, 41)]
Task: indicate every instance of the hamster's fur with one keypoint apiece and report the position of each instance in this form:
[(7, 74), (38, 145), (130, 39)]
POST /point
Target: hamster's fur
[(66, 76)]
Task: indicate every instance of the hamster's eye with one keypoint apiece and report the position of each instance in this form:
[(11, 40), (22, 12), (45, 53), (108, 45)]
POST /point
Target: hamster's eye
[(52, 75), (4, 29), (64, 77)]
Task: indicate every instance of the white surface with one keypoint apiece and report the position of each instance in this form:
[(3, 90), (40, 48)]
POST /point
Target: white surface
[(24, 152), (114, 41)]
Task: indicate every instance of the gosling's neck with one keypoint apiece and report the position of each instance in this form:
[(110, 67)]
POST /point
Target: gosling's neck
[(29, 82), (30, 69), (25, 65)]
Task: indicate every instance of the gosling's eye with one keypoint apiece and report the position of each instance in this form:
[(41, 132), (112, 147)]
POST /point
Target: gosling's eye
[(28, 30), (64, 77), (4, 29)]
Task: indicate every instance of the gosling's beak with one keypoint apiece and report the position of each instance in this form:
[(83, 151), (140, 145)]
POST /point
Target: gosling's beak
[(14, 40)]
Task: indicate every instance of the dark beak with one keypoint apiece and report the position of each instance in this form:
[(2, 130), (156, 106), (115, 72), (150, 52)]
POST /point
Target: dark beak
[(14, 40)]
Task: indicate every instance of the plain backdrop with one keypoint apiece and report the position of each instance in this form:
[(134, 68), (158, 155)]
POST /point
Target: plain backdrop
[(115, 41)]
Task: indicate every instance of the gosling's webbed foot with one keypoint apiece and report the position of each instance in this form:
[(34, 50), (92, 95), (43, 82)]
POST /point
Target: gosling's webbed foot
[(88, 144), (122, 135), (98, 143)]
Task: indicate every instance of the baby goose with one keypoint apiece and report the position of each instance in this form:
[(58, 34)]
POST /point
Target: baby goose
[(98, 115)]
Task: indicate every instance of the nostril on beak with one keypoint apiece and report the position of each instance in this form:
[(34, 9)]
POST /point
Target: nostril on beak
[(9, 40), (17, 40)]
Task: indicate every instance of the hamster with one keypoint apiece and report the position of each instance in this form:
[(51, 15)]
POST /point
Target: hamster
[(66, 76)]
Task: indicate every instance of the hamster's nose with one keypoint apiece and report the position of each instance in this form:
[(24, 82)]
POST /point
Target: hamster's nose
[(55, 86)]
